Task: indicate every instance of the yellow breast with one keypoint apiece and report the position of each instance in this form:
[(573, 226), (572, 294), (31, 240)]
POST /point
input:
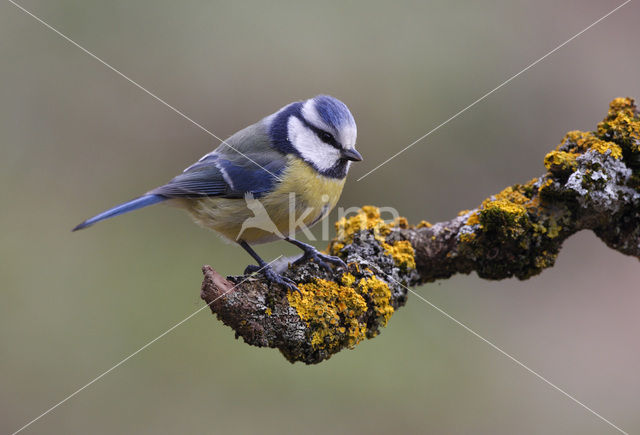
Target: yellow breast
[(302, 197)]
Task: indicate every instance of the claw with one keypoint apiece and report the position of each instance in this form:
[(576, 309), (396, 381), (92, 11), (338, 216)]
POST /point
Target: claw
[(272, 276), (252, 268), (311, 253), (320, 259)]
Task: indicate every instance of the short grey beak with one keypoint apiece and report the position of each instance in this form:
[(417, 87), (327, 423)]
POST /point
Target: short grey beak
[(352, 155)]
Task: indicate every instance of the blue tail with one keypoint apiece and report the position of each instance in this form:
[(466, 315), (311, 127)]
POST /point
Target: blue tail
[(134, 204)]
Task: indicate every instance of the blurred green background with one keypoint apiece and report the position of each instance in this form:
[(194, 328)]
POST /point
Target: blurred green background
[(76, 138)]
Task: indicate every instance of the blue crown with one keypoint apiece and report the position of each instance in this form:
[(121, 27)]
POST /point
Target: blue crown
[(333, 111)]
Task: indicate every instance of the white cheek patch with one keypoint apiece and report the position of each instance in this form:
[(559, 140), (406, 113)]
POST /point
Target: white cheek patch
[(310, 113), (310, 147)]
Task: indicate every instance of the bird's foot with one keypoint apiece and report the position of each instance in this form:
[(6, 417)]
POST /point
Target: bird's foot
[(272, 276), (252, 268), (322, 260)]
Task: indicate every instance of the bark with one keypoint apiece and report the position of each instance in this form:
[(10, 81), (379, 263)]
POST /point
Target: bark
[(592, 183)]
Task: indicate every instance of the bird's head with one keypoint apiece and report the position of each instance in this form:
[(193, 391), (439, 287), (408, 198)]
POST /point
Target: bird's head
[(321, 131)]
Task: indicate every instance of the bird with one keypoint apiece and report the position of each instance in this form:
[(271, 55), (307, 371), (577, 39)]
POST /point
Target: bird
[(294, 162)]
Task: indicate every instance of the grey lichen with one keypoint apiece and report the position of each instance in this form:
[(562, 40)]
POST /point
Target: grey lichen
[(600, 182)]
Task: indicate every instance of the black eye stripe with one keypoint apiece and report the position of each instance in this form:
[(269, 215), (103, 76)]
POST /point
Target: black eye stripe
[(324, 136), (327, 138)]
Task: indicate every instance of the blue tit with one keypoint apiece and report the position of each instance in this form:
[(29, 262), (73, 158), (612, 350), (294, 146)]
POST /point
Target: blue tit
[(288, 167)]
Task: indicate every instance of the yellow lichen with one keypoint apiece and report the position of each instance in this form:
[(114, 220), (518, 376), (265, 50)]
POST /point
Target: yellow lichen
[(508, 214), (402, 253), (474, 219), (332, 312), (533, 204), (619, 130), (467, 237), (560, 160), (400, 222), (622, 124), (336, 247), (603, 147), (621, 105), (368, 218), (424, 224), (505, 212), (577, 142), (554, 229), (336, 313), (348, 279), (268, 311), (512, 194), (506, 206), (539, 228), (380, 296)]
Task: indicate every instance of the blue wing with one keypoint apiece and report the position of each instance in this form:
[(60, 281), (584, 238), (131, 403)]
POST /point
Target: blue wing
[(227, 176)]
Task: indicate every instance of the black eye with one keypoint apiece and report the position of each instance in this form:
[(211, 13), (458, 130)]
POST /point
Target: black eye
[(325, 137)]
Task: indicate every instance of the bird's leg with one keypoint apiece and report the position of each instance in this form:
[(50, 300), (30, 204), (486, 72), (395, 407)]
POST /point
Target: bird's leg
[(311, 253), (266, 269)]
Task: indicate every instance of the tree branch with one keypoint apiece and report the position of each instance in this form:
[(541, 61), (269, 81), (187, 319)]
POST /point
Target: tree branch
[(592, 183)]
